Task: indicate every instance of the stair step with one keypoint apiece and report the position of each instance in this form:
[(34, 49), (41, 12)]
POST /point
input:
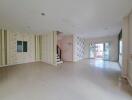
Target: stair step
[(60, 62)]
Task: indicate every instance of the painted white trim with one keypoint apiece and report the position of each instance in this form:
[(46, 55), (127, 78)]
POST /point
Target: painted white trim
[(18, 64), (27, 63)]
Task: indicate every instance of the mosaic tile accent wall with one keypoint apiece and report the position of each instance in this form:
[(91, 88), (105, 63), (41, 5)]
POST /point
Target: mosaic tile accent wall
[(80, 48)]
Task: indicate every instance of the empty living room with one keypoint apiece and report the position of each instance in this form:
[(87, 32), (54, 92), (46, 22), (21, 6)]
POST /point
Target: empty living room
[(65, 49)]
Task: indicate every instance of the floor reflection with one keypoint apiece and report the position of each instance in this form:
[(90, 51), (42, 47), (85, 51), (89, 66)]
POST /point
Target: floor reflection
[(105, 64)]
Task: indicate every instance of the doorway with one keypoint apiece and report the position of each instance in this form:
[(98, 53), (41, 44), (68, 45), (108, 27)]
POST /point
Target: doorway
[(120, 52), (120, 45), (99, 51)]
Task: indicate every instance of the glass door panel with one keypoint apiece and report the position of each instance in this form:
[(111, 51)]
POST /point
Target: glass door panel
[(106, 51), (99, 50), (92, 51)]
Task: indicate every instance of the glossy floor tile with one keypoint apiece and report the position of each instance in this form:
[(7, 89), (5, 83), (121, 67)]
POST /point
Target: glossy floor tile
[(84, 80)]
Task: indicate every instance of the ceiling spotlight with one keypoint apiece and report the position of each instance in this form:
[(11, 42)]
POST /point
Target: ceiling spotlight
[(43, 14)]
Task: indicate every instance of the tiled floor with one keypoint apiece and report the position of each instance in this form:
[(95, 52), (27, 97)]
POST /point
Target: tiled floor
[(84, 80)]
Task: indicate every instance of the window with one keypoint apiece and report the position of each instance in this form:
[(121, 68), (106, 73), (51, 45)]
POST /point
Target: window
[(21, 46), (24, 46)]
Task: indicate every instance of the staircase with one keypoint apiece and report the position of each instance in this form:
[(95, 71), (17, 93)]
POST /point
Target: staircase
[(58, 58), (59, 61)]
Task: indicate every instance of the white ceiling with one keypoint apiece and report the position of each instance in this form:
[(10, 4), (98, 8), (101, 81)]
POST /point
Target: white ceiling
[(89, 18)]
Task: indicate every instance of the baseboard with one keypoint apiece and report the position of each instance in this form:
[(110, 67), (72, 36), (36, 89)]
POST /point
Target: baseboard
[(28, 62), (49, 63), (129, 81), (123, 76), (119, 65), (18, 64)]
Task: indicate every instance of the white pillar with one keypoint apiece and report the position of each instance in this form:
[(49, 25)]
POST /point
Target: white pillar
[(125, 34)]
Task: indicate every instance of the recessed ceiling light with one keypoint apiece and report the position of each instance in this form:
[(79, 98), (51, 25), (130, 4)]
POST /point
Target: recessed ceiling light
[(43, 14)]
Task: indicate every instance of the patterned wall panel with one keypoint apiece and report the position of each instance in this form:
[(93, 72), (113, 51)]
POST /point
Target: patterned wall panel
[(80, 48)]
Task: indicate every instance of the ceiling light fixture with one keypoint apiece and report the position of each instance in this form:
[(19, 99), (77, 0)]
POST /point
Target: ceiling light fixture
[(43, 14)]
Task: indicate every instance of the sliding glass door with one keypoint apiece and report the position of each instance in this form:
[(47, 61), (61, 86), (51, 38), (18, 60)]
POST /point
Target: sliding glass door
[(106, 51), (100, 51), (92, 51)]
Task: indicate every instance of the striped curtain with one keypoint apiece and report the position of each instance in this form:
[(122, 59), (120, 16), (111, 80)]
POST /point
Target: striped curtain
[(3, 47)]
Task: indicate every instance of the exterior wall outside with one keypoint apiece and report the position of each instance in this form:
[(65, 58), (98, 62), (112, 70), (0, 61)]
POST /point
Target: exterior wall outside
[(113, 40)]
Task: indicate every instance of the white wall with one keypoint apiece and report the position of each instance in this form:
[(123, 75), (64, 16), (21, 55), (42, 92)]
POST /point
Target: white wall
[(125, 35), (49, 43), (39, 48), (130, 49), (14, 57), (113, 40), (127, 48)]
